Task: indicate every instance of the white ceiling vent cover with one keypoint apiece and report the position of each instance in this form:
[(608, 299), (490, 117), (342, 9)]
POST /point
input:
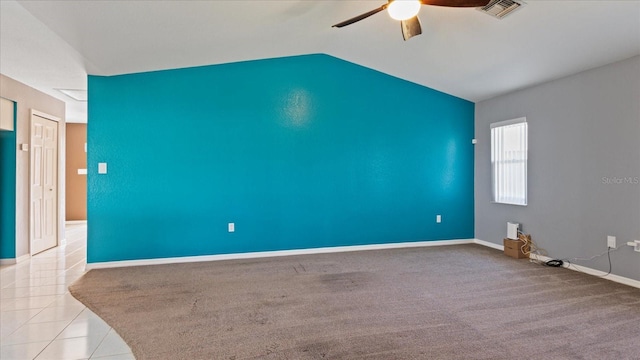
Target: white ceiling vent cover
[(501, 8)]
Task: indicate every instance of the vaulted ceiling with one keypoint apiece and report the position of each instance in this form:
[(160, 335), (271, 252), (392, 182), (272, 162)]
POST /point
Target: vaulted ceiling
[(53, 45)]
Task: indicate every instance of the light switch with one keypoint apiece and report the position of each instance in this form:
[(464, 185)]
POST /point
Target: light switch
[(102, 168), (231, 227)]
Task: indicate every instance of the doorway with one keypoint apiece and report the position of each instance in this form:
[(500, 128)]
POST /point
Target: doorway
[(76, 173), (43, 209)]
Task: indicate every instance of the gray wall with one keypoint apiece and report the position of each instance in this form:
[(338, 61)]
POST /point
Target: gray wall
[(583, 130)]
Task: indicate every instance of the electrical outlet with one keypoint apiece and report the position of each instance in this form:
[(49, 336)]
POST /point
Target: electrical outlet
[(635, 244), (611, 242)]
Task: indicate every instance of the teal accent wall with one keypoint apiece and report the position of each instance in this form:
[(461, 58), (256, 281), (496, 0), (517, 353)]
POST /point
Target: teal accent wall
[(300, 152), (8, 192)]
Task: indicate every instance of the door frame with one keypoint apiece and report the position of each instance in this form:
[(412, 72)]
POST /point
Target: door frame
[(44, 115)]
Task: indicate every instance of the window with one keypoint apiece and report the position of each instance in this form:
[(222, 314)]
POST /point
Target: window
[(509, 161)]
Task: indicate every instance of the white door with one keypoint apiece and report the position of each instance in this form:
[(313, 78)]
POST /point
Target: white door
[(44, 184)]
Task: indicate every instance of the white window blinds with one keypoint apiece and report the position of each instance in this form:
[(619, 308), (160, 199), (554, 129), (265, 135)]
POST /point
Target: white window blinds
[(509, 161)]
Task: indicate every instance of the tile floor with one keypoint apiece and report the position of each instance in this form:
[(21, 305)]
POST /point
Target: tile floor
[(39, 318)]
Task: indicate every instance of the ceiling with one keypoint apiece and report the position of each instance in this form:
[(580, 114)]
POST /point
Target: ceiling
[(53, 45)]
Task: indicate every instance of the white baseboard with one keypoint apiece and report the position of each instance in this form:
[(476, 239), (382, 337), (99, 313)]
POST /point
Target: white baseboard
[(594, 272), (75, 222), (574, 267), (336, 249), (10, 261), (263, 254), (13, 261), (489, 244)]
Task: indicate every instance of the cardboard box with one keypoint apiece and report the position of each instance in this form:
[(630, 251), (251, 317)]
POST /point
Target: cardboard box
[(514, 249)]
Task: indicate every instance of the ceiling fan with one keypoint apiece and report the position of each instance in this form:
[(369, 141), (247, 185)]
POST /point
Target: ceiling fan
[(407, 12)]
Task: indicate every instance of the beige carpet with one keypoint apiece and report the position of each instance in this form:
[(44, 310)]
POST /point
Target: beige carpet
[(451, 302)]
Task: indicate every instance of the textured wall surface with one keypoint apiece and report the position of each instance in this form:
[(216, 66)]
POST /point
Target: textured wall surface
[(584, 166), (299, 152)]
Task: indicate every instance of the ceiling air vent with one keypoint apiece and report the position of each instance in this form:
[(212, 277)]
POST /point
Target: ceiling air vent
[(501, 8)]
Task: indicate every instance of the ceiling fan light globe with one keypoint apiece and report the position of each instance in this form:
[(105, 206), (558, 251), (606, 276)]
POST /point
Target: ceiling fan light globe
[(403, 9)]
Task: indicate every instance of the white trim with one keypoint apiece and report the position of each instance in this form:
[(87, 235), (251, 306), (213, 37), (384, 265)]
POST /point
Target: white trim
[(44, 115), (11, 261), (594, 272), (574, 267), (22, 258), (489, 244), (508, 122), (75, 222), (336, 249), (263, 254)]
